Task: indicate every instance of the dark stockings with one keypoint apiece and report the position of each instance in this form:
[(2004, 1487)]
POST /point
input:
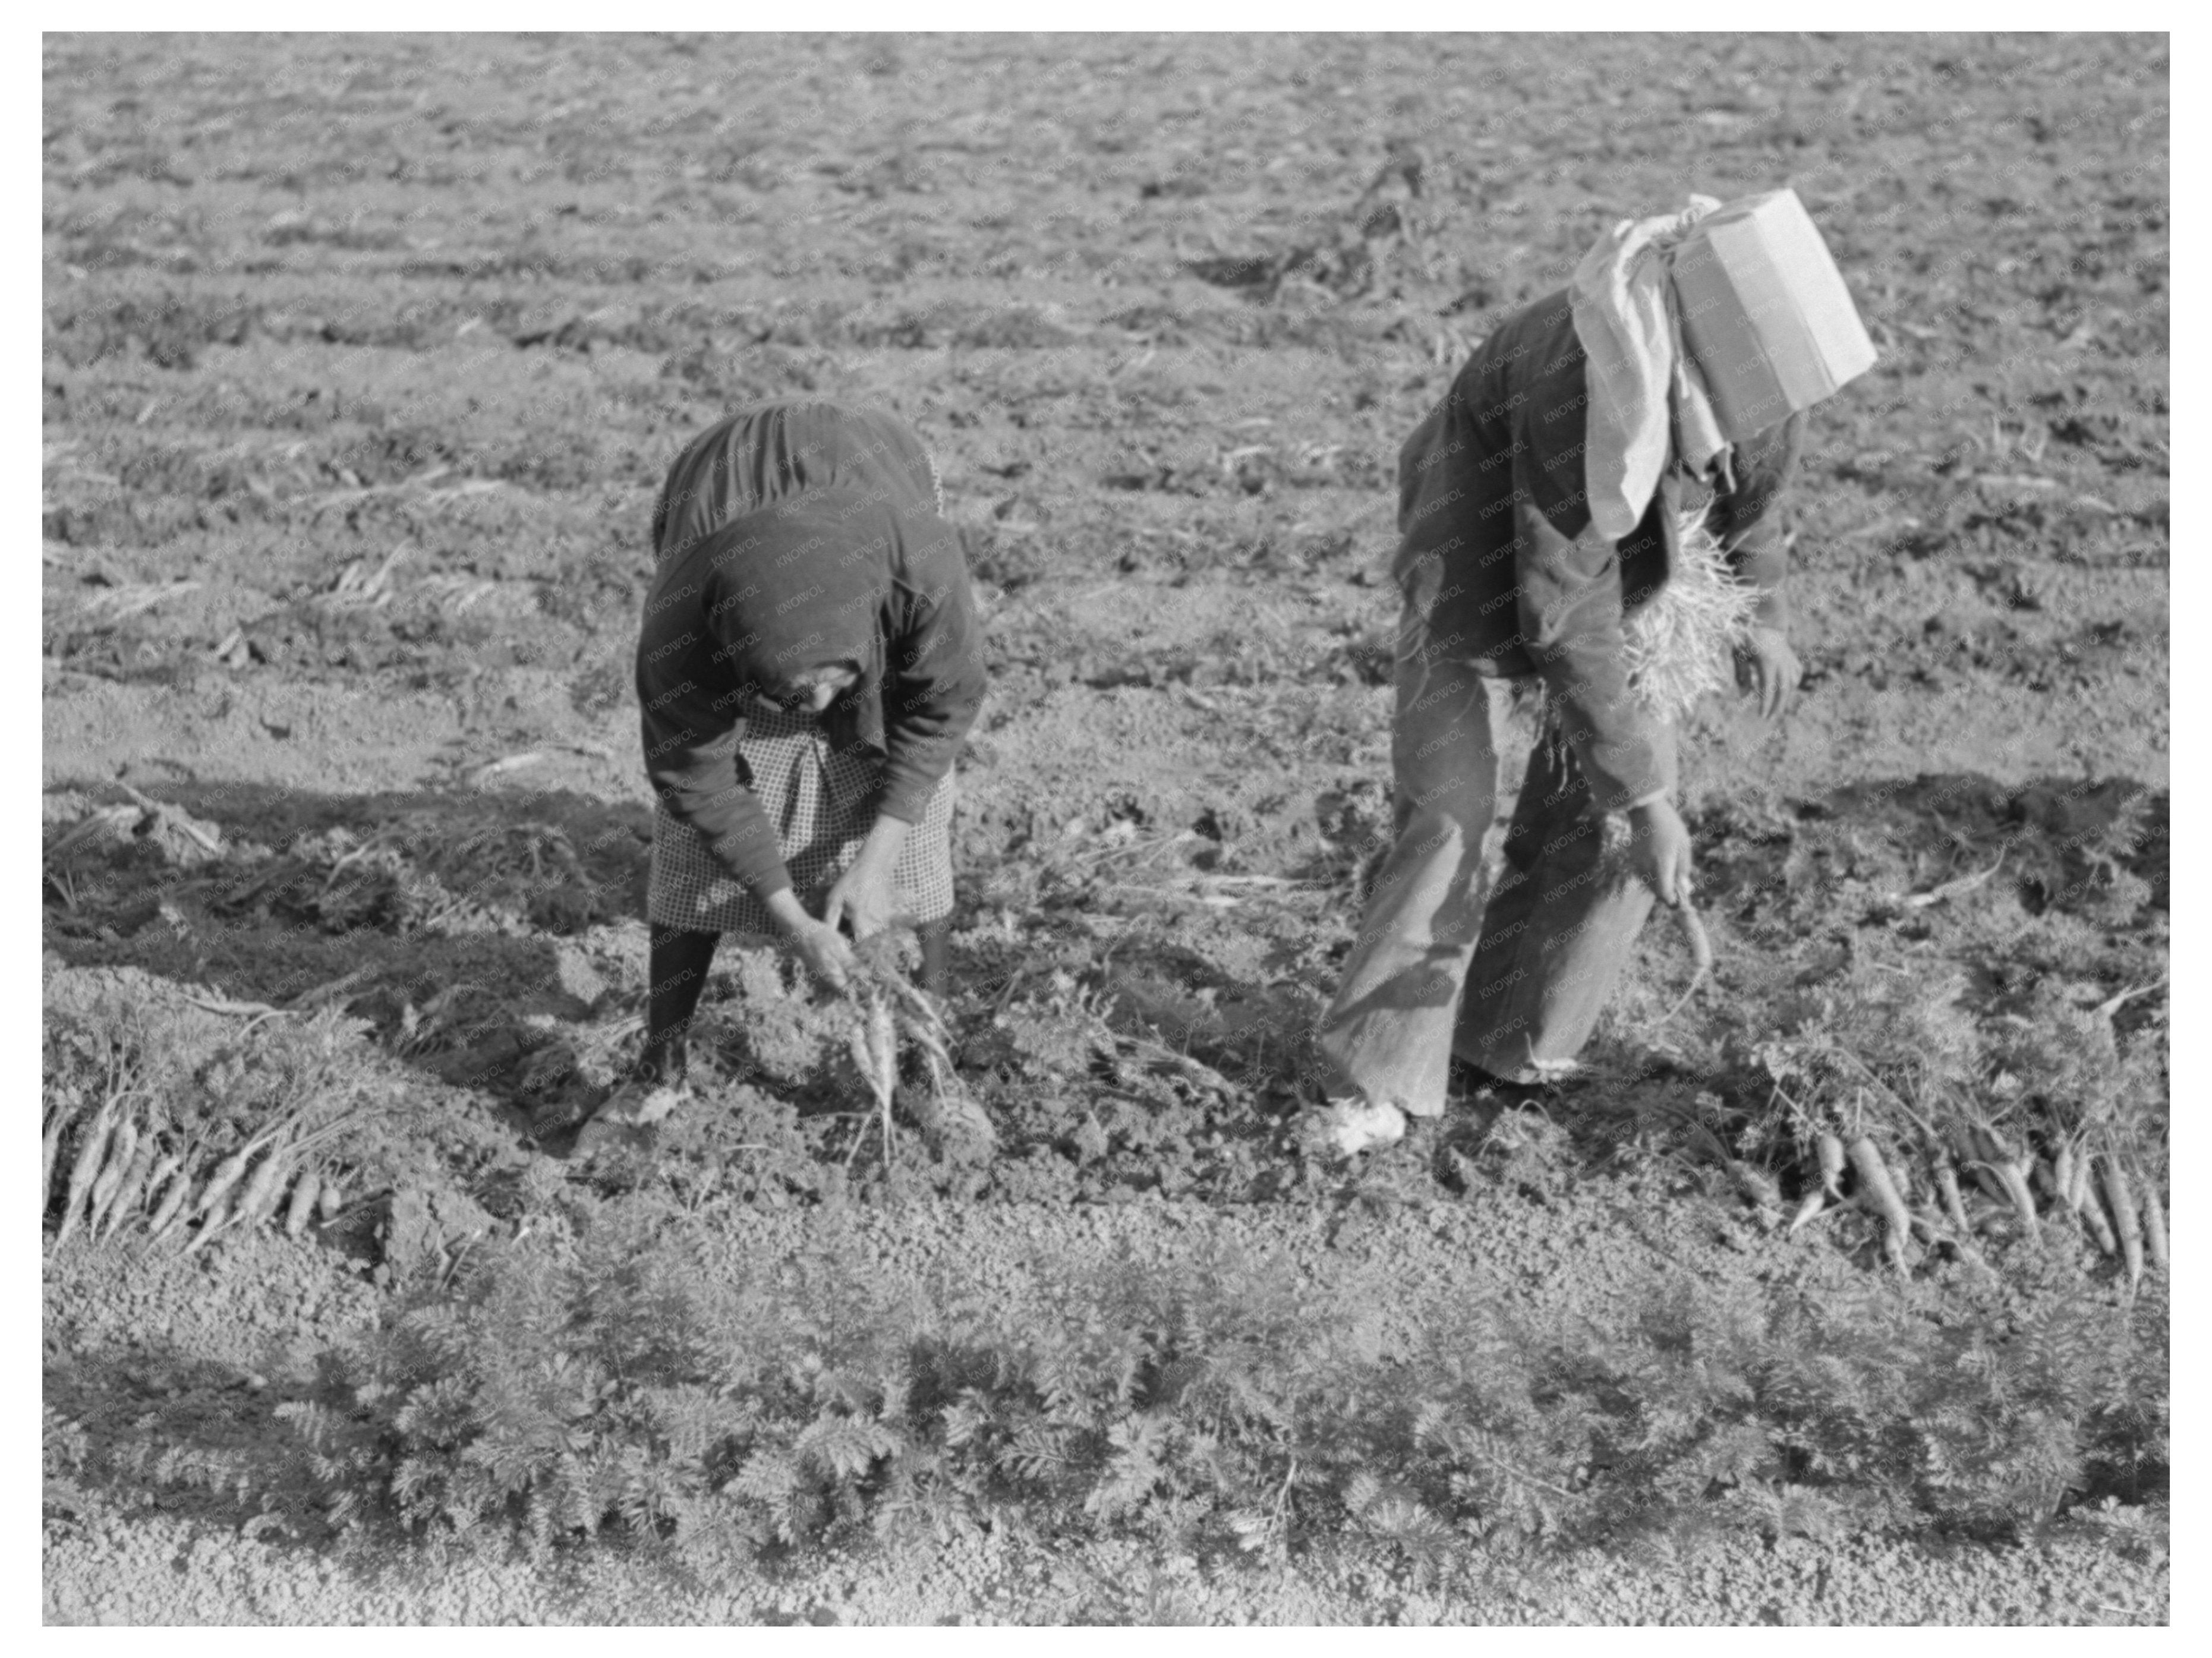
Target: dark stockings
[(678, 962)]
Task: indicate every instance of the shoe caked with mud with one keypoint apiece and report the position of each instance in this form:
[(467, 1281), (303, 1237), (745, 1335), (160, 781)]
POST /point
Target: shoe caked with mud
[(628, 1117), (1342, 1129)]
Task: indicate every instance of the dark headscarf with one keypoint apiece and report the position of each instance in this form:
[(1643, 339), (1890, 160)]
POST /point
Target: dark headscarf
[(761, 457)]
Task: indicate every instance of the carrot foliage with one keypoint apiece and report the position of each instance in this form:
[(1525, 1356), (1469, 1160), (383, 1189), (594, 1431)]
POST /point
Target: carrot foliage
[(617, 1369)]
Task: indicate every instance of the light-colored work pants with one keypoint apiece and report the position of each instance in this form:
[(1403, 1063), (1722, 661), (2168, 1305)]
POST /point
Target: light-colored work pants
[(1435, 971)]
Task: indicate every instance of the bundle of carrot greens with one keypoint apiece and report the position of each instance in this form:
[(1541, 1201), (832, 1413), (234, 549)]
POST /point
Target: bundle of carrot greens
[(1900, 1103), (889, 1011), (186, 1119)]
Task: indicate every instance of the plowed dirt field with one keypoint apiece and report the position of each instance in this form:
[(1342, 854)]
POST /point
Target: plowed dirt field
[(363, 360)]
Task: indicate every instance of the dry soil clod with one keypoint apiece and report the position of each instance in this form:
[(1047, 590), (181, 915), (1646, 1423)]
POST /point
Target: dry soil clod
[(1755, 1184)]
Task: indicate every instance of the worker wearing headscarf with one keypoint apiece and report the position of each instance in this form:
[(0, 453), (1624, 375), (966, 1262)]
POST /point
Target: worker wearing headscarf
[(1508, 575), (808, 666)]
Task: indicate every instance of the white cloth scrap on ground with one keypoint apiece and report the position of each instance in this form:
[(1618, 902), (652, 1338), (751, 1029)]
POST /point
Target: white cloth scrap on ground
[(819, 799), (1644, 388)]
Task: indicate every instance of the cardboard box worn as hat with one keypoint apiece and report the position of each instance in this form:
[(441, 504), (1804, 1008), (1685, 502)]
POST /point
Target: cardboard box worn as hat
[(1765, 312)]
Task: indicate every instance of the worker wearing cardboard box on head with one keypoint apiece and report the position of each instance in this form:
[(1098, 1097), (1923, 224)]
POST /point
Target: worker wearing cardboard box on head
[(1590, 510), (808, 666)]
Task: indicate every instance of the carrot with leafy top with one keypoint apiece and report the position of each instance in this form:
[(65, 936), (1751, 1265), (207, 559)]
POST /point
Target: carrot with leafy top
[(125, 1194), (253, 1198), (2125, 1218), (1881, 1193), (2061, 1174), (156, 1180), (50, 1150), (1829, 1148), (2096, 1224), (1701, 955), (86, 1168), (122, 1147), (170, 1206), (2154, 1227), (304, 1191), (1947, 1184), (258, 1200), (2011, 1173), (231, 1168)]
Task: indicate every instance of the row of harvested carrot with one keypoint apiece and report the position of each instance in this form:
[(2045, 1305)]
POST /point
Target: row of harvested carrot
[(119, 1170), (2114, 1204)]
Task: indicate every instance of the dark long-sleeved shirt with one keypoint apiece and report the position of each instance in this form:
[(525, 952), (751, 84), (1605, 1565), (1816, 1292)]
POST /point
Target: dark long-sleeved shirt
[(1492, 517), (843, 573)]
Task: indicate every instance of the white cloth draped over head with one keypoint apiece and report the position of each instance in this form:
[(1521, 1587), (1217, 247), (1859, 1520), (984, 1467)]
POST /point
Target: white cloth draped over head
[(1645, 391)]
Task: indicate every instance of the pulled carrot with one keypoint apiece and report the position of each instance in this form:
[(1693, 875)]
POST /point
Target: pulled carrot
[(50, 1150), (167, 1169), (1875, 1179), (1701, 956), (171, 1205), (2011, 1173), (304, 1191), (1815, 1200), (133, 1183), (2153, 1225), (259, 1198), (86, 1168), (2124, 1217), (122, 1147), (2093, 1221), (1955, 1202), (1830, 1150)]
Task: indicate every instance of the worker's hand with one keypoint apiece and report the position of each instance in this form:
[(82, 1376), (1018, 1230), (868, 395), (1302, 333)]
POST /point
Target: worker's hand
[(824, 949), (827, 953), (1659, 850), (862, 899), (1766, 666), (866, 895)]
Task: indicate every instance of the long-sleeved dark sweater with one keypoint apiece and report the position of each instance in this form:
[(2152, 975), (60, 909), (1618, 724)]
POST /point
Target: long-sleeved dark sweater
[(1492, 513), (868, 577)]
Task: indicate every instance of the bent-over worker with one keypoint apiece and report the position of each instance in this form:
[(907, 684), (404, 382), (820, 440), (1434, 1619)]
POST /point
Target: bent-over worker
[(808, 667), (1504, 579)]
